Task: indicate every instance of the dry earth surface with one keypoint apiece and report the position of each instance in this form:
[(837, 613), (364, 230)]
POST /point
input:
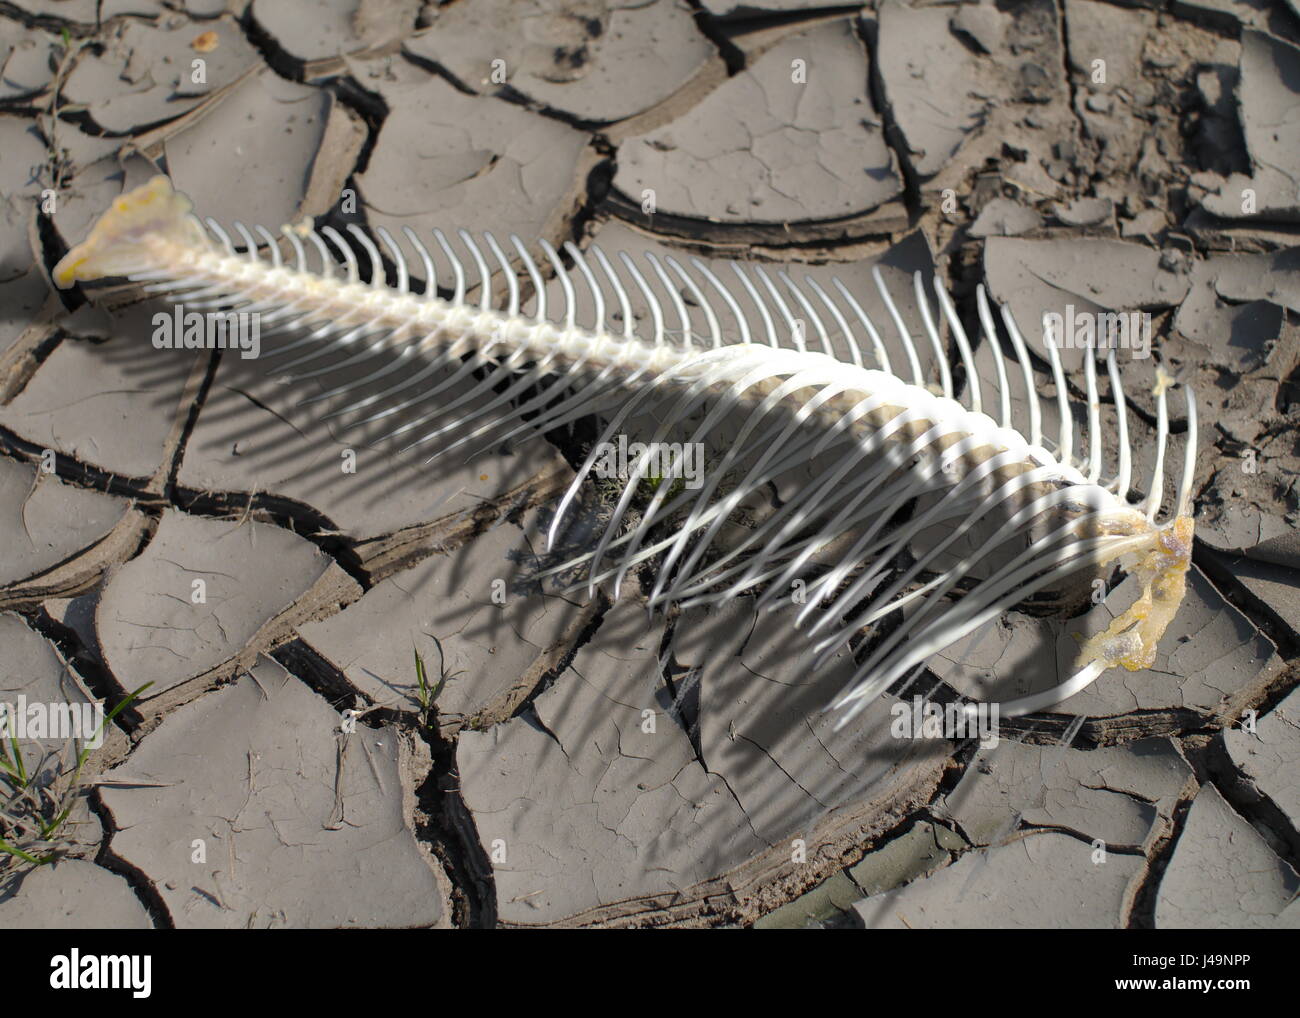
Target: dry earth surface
[(179, 519)]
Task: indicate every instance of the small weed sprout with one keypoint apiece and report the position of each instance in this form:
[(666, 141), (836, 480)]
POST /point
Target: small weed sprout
[(37, 804), (428, 695)]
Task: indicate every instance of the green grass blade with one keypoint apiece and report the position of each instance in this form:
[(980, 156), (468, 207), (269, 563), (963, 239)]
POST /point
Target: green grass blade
[(108, 719), (421, 678), (25, 856), (20, 767)]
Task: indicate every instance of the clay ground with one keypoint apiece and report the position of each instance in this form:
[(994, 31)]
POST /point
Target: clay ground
[(179, 519)]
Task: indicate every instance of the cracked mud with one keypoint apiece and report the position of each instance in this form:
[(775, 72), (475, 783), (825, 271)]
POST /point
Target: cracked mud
[(355, 702)]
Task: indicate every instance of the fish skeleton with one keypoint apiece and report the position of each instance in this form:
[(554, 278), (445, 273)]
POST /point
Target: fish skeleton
[(995, 517)]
